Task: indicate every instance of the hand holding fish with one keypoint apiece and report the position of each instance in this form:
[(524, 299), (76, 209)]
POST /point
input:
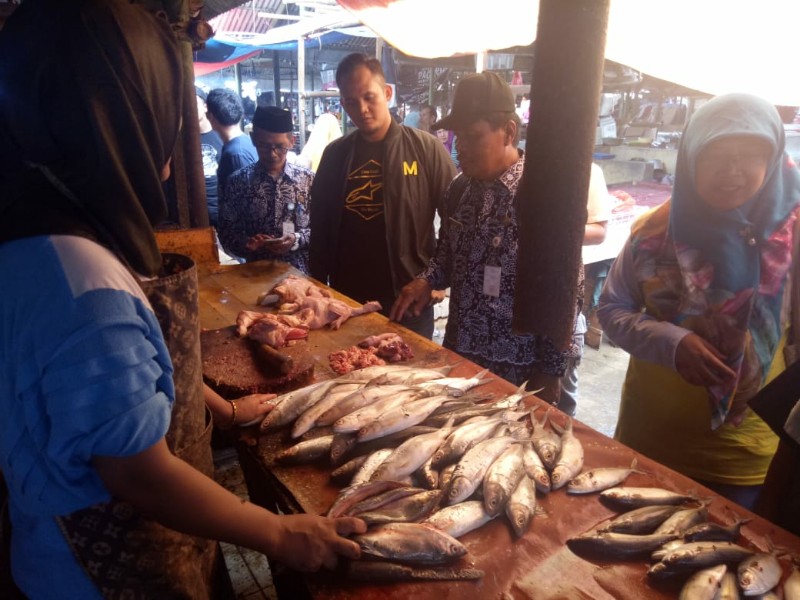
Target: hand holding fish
[(699, 363), (309, 542), (251, 409), (414, 297)]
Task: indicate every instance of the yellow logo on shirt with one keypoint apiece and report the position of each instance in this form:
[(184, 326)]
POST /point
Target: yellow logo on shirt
[(410, 170)]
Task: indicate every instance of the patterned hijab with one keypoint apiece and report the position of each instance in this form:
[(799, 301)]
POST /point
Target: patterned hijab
[(734, 264), (90, 105)]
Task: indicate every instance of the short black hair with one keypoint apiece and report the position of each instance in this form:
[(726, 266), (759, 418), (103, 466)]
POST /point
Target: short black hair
[(225, 105), (352, 61)]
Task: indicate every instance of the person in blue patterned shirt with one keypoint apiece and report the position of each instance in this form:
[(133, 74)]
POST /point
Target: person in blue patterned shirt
[(264, 213)]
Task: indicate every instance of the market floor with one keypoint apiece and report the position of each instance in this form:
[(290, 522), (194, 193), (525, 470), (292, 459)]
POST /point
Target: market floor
[(600, 377)]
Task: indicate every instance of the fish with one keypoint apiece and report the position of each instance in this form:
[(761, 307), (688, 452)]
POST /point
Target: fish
[(291, 405), (617, 545), (445, 475), (570, 460), (358, 399), (758, 574), (348, 469), (458, 385), (502, 478), (368, 374), (640, 520), (308, 419), (400, 417), (353, 494), (462, 415), (411, 543), (714, 532), (791, 587), (599, 479), (728, 587), (704, 584), (699, 555), (684, 520), (372, 503), (375, 459), (375, 571), (513, 400), (428, 476), (661, 552), (521, 506), (636, 497), (459, 519), (342, 446), (365, 415), (405, 375), (546, 442), (348, 443), (535, 469), (472, 467), (403, 510), (462, 439), (411, 454), (307, 451)]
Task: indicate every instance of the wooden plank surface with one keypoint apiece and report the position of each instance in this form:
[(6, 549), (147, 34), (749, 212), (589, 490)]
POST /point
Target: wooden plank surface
[(538, 565)]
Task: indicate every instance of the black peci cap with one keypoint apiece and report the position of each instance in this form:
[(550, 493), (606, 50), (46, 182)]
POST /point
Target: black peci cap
[(477, 96), (273, 119)]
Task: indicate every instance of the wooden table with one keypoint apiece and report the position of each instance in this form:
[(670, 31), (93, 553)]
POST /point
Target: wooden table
[(539, 565)]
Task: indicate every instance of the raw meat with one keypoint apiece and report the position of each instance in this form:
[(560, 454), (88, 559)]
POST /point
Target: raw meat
[(389, 346)]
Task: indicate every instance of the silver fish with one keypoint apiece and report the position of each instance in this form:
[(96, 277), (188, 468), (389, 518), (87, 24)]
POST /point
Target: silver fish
[(521, 506), (365, 415), (463, 438), (617, 545), (502, 478), (403, 510), (459, 519), (472, 467), (459, 385), (368, 374), (661, 552), (388, 572), (372, 503), (535, 469), (353, 494), (699, 555), (411, 454), (704, 584), (791, 587), (411, 543), (570, 460), (635, 497), (305, 452), (291, 405), (514, 400), (401, 417), (546, 442), (597, 480), (335, 393), (714, 532), (640, 520), (445, 475), (758, 574), (358, 399), (428, 476), (348, 469), (404, 375), (683, 520), (375, 459)]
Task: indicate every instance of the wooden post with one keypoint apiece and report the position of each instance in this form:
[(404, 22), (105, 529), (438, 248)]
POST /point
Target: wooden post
[(565, 93)]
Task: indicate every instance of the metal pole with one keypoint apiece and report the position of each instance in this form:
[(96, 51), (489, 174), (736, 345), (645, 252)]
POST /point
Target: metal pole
[(379, 48), (480, 61), (276, 77), (237, 74), (301, 90)]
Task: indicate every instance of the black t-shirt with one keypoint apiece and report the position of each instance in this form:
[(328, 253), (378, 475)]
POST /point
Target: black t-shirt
[(210, 149), (362, 265)]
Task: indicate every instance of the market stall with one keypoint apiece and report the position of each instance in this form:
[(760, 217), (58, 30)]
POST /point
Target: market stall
[(537, 565)]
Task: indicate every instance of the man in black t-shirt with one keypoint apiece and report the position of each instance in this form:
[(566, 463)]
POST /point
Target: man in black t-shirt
[(210, 149)]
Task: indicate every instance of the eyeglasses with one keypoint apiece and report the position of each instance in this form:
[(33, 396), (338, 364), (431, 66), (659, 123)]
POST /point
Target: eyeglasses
[(268, 148)]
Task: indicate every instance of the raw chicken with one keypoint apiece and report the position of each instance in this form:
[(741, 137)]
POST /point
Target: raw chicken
[(292, 289), (315, 312), (267, 328), (389, 346)]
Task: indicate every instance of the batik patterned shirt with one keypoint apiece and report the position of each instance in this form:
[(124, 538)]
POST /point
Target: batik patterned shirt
[(255, 203), (481, 231)]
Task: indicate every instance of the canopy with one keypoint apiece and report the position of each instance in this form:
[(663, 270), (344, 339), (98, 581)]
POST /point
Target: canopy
[(714, 46)]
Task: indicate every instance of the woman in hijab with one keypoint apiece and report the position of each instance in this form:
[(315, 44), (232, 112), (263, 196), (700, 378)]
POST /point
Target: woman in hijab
[(89, 113), (697, 297)]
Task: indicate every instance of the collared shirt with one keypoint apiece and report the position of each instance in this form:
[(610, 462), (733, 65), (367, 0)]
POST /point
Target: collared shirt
[(255, 203), (481, 231)]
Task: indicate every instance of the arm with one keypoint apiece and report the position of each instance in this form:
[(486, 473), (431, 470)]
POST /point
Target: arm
[(248, 408), (178, 496), (595, 233), (620, 314)]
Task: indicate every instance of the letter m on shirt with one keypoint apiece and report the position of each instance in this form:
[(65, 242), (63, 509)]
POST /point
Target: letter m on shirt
[(410, 169)]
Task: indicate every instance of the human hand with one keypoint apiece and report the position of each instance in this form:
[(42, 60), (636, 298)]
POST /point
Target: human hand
[(251, 409), (276, 245), (699, 363), (310, 542), (438, 296), (414, 297)]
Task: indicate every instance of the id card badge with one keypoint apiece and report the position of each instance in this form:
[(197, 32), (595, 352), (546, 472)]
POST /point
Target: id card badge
[(287, 227), (491, 281)]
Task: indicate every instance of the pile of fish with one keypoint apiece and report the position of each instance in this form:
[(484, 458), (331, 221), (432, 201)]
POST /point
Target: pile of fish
[(674, 531)]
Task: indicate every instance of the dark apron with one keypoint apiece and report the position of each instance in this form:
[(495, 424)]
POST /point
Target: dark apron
[(126, 555)]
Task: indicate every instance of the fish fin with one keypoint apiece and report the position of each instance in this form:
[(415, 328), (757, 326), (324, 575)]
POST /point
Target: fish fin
[(557, 428), (483, 376)]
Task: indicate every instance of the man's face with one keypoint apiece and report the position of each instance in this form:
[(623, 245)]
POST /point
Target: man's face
[(271, 147), (365, 98), (426, 118), (481, 149)]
